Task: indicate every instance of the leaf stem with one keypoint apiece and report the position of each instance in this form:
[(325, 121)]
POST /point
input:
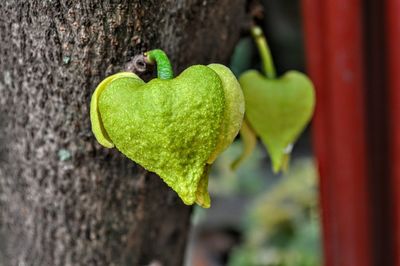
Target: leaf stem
[(164, 68), (265, 53)]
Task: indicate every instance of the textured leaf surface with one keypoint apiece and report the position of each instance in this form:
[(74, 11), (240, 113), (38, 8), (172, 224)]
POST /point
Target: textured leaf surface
[(202, 196), (170, 127), (278, 110), (97, 125), (233, 111)]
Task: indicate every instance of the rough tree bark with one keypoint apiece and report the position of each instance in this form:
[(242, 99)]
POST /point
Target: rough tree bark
[(64, 200)]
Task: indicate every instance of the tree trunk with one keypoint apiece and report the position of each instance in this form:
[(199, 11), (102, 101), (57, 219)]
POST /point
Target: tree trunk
[(64, 199)]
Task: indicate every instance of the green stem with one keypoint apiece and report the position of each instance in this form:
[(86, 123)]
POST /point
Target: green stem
[(164, 68), (266, 58)]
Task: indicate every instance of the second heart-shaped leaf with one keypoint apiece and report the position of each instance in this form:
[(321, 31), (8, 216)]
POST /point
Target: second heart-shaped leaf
[(278, 110)]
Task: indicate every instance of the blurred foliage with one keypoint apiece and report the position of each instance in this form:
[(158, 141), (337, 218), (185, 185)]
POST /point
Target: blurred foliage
[(282, 226), (249, 179), (243, 56)]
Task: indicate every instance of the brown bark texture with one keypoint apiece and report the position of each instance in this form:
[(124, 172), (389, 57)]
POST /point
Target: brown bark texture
[(64, 199)]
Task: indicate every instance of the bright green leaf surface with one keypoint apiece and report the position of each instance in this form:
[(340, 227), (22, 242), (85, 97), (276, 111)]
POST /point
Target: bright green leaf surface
[(278, 110), (202, 195), (233, 110), (170, 127), (97, 126)]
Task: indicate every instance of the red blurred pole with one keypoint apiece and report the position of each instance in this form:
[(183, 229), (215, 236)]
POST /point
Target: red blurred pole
[(393, 60), (333, 34), (313, 28)]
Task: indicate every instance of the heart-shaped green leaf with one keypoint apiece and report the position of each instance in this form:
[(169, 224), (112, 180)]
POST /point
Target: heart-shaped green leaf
[(174, 127), (278, 110)]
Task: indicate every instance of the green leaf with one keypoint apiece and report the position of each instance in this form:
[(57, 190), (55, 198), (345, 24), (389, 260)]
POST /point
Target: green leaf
[(278, 110), (170, 127), (202, 195), (233, 110), (249, 140), (173, 127), (97, 125)]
